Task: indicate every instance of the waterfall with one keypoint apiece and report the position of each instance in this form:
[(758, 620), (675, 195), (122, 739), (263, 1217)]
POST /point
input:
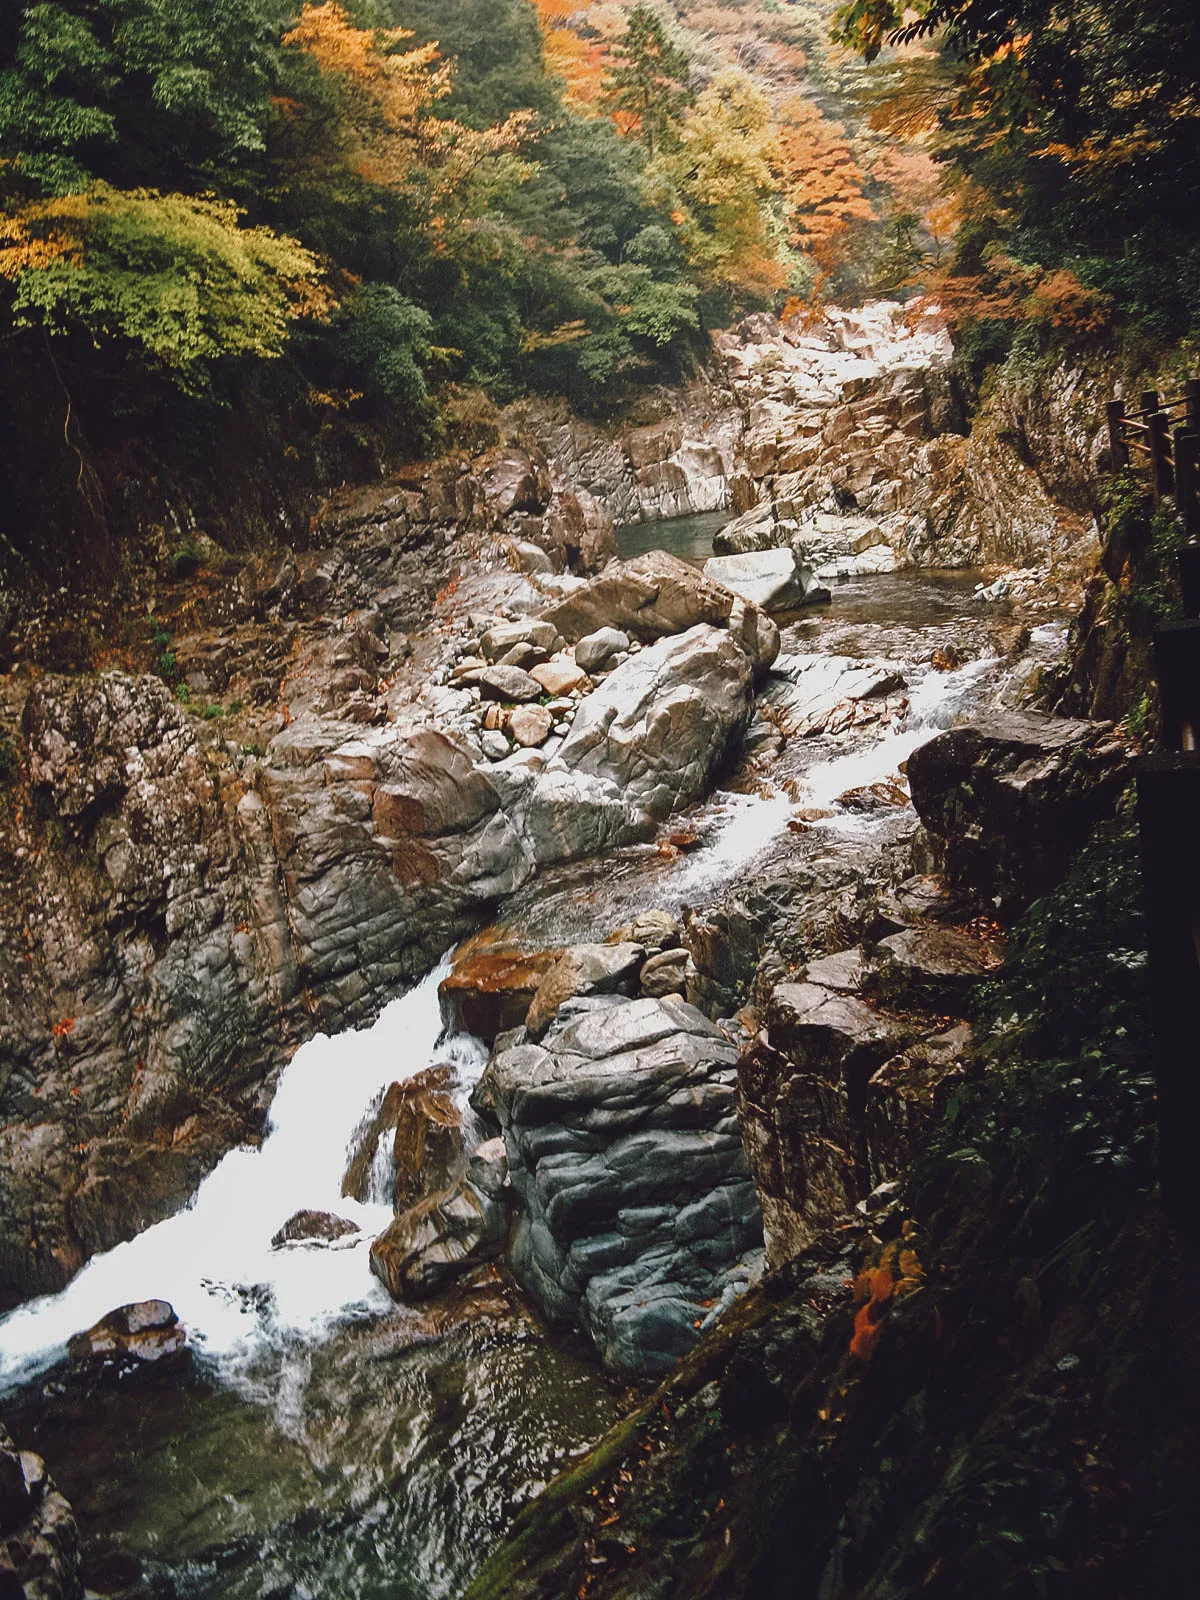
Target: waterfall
[(213, 1261)]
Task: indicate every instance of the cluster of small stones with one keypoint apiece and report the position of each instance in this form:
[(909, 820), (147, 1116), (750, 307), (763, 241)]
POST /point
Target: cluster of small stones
[(525, 683)]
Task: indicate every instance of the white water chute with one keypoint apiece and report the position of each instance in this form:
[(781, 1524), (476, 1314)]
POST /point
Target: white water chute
[(213, 1261)]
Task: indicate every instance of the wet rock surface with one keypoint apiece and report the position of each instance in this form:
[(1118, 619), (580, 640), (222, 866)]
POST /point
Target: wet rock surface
[(39, 1541), (1008, 799), (635, 1205), (313, 1227), (147, 1331)]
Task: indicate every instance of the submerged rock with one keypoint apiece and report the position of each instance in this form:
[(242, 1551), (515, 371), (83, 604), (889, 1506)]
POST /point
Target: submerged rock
[(636, 1203)]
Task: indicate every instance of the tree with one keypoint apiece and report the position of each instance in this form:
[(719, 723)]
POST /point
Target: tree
[(173, 92), (1079, 121), (646, 87), (726, 175), (821, 181), (174, 279)]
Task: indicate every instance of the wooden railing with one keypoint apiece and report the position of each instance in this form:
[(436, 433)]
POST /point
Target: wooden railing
[(1163, 434)]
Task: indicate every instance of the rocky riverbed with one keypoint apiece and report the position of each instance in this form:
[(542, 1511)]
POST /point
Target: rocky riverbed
[(660, 1074)]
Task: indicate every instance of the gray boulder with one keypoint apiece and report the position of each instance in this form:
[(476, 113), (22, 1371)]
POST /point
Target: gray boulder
[(645, 743), (596, 650), (505, 683), (772, 579), (1009, 798), (626, 1160)]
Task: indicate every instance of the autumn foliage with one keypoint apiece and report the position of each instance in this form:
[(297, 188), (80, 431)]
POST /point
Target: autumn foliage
[(897, 1274)]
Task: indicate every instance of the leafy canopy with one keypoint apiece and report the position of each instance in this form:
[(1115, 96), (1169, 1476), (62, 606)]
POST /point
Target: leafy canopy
[(174, 277)]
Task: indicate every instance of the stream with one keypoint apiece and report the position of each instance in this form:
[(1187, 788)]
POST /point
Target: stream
[(324, 1442)]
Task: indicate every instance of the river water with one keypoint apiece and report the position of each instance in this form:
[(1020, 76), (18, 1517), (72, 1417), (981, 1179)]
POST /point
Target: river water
[(324, 1442)]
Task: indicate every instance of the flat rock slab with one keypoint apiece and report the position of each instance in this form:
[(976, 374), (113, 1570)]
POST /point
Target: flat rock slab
[(490, 987), (815, 688), (937, 968), (830, 1033)]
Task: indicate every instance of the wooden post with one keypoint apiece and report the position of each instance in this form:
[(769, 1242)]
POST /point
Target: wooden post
[(1160, 454), (1191, 390), (1177, 667), (1118, 449), (1189, 577), (1184, 445), (1168, 800)]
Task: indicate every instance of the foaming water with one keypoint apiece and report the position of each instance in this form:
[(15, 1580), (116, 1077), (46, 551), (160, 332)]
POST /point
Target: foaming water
[(213, 1261), (934, 704)]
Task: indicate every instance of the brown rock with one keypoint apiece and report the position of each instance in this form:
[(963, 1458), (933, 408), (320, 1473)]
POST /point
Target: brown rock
[(560, 677), (491, 986), (428, 1147), (530, 726), (313, 1227), (147, 1330)]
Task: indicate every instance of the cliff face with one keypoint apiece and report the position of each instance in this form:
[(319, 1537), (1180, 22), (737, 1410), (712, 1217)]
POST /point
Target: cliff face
[(857, 416)]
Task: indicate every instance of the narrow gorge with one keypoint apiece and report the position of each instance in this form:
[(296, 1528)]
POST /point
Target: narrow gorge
[(597, 769), (635, 1084)]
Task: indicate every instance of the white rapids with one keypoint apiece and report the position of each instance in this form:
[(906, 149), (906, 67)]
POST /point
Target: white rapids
[(213, 1261), (933, 706)]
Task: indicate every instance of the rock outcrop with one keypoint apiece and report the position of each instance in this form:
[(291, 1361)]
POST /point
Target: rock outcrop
[(39, 1541), (1009, 798), (646, 742), (636, 1209)]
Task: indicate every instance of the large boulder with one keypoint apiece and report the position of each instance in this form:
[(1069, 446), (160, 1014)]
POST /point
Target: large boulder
[(643, 744), (772, 579), (636, 1204), (656, 594), (1010, 797)]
